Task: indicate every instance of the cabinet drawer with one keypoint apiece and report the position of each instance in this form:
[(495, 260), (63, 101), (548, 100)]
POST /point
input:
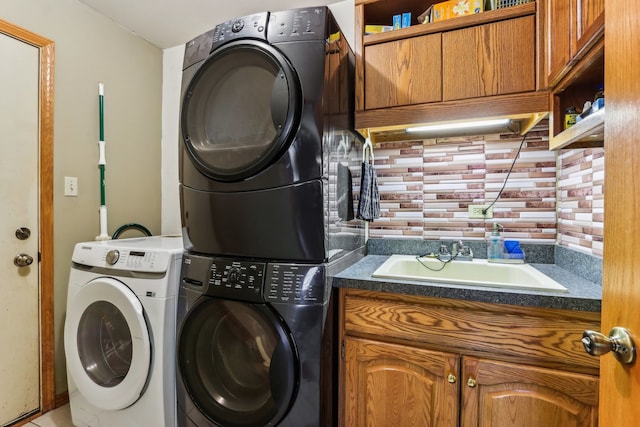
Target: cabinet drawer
[(403, 72), (547, 337), (492, 59)]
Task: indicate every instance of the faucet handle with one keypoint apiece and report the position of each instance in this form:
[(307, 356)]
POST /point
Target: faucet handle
[(463, 249), (444, 250)]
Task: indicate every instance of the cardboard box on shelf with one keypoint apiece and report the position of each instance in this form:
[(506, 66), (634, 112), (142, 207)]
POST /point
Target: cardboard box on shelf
[(375, 29), (454, 8), (397, 22), (406, 19)]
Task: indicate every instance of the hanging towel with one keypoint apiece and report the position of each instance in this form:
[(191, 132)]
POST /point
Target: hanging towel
[(369, 204)]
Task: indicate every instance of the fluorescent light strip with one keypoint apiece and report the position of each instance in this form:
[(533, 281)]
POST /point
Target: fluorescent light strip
[(459, 125)]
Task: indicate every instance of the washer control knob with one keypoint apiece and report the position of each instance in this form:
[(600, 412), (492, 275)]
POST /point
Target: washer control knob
[(113, 256), (234, 275), (237, 26)]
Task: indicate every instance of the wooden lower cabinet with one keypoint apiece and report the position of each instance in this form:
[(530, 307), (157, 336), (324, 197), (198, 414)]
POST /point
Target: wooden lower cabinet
[(499, 394), (429, 362), (395, 385)]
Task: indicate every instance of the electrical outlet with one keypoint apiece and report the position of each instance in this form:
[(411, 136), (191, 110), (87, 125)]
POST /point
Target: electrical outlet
[(70, 186), (475, 212)]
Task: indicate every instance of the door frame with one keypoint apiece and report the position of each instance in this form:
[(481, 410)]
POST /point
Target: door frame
[(46, 48)]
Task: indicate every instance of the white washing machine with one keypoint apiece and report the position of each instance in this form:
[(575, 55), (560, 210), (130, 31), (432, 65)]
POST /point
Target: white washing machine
[(119, 334)]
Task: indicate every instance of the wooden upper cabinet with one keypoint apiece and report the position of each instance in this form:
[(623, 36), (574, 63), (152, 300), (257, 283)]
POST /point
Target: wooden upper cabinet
[(588, 22), (557, 23), (479, 65), (571, 28), (390, 385), (403, 72), (490, 59), (500, 394)]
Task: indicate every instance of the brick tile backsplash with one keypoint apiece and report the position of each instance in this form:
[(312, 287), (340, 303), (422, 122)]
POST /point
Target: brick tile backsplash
[(426, 187)]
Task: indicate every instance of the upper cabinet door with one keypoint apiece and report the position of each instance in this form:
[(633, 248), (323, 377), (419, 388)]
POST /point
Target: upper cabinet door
[(571, 28), (403, 72), (487, 60), (588, 24), (557, 32)]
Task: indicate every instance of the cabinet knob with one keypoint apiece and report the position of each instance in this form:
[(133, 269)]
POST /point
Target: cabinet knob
[(619, 342), (471, 382), (451, 378)]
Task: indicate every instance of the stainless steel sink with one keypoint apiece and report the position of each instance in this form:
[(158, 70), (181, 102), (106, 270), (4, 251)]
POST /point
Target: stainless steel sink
[(478, 272)]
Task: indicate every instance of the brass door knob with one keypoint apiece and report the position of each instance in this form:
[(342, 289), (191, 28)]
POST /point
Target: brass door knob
[(23, 260), (619, 342)]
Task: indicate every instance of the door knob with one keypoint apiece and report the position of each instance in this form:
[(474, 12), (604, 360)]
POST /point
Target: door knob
[(23, 260), (619, 342)]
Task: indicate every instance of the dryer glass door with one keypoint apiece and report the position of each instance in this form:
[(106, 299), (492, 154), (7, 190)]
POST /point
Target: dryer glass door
[(238, 363), (240, 110)]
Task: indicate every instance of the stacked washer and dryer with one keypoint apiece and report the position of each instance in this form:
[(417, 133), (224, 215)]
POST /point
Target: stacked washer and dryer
[(267, 164)]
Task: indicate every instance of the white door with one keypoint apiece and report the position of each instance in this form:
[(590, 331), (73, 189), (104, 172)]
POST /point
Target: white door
[(19, 305)]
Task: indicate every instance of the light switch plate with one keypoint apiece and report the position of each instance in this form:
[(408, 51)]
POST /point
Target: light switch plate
[(70, 186)]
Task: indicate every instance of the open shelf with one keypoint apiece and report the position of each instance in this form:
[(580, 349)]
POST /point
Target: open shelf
[(588, 132), (380, 13)]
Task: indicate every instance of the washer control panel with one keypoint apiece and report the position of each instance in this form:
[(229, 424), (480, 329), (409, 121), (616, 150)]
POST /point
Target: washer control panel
[(236, 279), (122, 258), (255, 281), (295, 283)]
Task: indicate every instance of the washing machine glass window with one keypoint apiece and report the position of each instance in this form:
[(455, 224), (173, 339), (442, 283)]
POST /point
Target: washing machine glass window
[(104, 344), (240, 110), (108, 344), (238, 363)]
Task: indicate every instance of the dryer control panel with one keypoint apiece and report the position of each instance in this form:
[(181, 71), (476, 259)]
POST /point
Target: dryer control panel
[(298, 24), (246, 27)]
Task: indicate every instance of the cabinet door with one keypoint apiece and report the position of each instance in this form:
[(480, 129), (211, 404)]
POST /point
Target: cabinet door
[(588, 24), (403, 72), (557, 38), (389, 385), (498, 394), (492, 59)]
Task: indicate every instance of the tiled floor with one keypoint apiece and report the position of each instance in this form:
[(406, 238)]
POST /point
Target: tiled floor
[(59, 417)]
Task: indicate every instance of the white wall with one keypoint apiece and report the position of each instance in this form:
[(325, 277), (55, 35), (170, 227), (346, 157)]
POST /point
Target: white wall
[(172, 68)]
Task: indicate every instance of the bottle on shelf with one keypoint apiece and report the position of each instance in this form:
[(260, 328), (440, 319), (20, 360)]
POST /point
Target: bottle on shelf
[(570, 117), (598, 99)]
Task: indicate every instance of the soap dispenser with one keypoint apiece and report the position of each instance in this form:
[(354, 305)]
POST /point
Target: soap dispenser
[(495, 244)]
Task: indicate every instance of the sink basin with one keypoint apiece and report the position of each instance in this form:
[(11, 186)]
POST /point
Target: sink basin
[(478, 272)]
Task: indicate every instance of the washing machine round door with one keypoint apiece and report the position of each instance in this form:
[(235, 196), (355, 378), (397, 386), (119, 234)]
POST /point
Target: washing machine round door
[(238, 363), (107, 343), (240, 110)]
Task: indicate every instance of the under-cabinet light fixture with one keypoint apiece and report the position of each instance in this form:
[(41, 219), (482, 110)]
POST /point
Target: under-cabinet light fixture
[(460, 125)]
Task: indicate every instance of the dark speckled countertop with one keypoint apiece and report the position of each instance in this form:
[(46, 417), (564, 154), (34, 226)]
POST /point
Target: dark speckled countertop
[(583, 294)]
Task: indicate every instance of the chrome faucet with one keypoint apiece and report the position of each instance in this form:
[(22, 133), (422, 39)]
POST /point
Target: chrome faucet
[(461, 252)]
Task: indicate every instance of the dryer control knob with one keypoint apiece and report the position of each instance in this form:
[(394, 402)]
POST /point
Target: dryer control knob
[(113, 256)]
